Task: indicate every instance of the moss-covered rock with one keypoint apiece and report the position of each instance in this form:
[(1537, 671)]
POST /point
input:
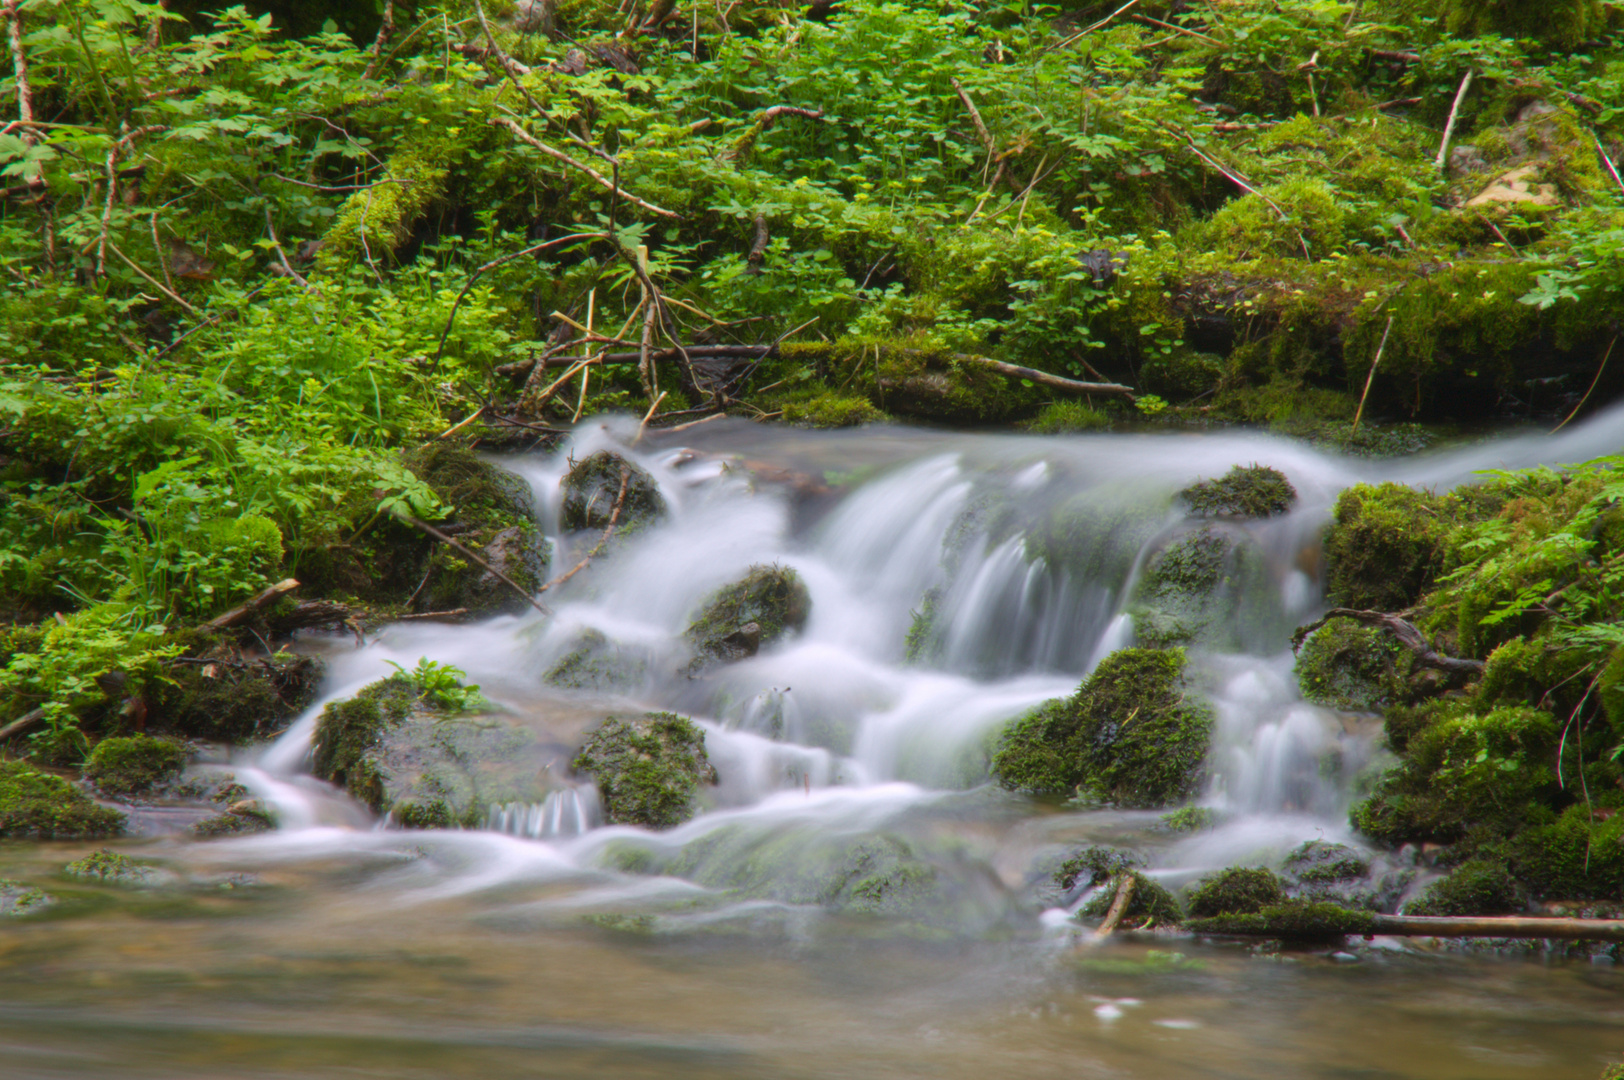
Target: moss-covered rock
[(1239, 890), (38, 805), (594, 662), (406, 756), (242, 818), (1290, 921), (234, 702), (1209, 587), (1190, 819), (1578, 855), (113, 868), (1346, 665), (1382, 549), (134, 764), (832, 410), (766, 605), (1131, 735), (648, 769), (1068, 418), (1477, 887), (1245, 491), (17, 899), (1319, 862), (1149, 905), (1094, 866), (592, 487)]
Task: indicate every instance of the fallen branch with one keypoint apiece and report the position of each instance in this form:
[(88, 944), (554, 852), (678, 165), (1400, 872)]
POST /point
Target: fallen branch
[(1599, 369), (1119, 906), (1085, 31), (493, 264), (1054, 382), (386, 30), (1607, 161), (430, 530), (156, 284), (22, 723), (1454, 114), (758, 247), (308, 613), (243, 612), (1369, 376), (975, 118), (558, 155), (1148, 21), (453, 613), (1405, 631)]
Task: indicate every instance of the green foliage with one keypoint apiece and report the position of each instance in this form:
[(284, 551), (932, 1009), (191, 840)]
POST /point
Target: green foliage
[(134, 764), (1473, 888), (1382, 548), (648, 769), (1235, 891), (441, 686), (1130, 736), (1190, 819), (1068, 417)]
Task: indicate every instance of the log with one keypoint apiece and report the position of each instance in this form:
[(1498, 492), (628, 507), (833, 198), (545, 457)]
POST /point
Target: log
[(1119, 906), (22, 723), (1501, 926), (1054, 382), (243, 612)]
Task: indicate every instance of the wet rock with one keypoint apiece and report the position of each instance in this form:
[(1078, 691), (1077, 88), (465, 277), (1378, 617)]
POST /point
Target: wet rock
[(39, 805), (648, 769), (123, 766), (405, 756), (111, 868), (592, 487), (241, 818), (766, 605), (1356, 668), (19, 899), (226, 699), (1094, 866), (595, 662), (1210, 587), (1245, 491), (1132, 735), (1236, 891)]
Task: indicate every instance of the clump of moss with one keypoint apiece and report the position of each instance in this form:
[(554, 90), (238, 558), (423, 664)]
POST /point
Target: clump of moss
[(592, 487), (1094, 866), (17, 899), (1382, 549), (923, 641), (1210, 586), (1149, 905), (243, 817), (134, 764), (1130, 736), (1320, 862), (1238, 890), (1477, 887), (772, 599), (234, 703), (37, 805), (1245, 491), (648, 769), (347, 730), (1578, 855), (1290, 921), (1068, 418), (833, 410), (596, 663), (1345, 665), (1190, 819), (112, 868)]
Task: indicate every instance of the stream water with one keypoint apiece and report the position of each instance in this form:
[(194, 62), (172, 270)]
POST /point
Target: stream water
[(338, 946)]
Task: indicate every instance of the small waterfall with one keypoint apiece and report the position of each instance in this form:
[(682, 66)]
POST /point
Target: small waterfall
[(565, 813)]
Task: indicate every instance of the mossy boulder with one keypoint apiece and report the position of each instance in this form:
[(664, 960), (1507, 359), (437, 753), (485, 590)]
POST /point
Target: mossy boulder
[(1245, 491), (1149, 905), (1132, 735), (1578, 855), (497, 513), (1321, 862), (832, 410), (595, 662), (592, 487), (1346, 665), (405, 756), (233, 702), (1294, 920), (128, 765), (39, 805), (648, 769), (241, 818), (1209, 587), (17, 899), (1382, 548), (1239, 890), (1094, 866), (766, 605), (1476, 887), (113, 868)]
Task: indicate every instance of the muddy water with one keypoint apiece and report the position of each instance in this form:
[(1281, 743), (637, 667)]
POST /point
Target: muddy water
[(339, 947)]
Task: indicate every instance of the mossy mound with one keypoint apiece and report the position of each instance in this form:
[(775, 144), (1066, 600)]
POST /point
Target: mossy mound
[(38, 805), (1476, 887), (1068, 418), (1245, 491), (234, 702), (1356, 668), (832, 410), (1321, 862), (1382, 548), (242, 818), (405, 756), (648, 769), (1239, 890), (1094, 866), (766, 605), (1149, 905), (1209, 587), (592, 487), (17, 899), (134, 764), (1189, 819), (1290, 921), (594, 662), (112, 868), (1131, 735)]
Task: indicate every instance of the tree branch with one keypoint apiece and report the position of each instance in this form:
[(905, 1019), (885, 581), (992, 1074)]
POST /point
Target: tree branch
[(558, 155), (1405, 631)]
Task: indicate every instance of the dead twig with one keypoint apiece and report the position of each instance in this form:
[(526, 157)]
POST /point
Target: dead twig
[(156, 284), (1600, 368), (243, 612), (975, 118), (493, 264), (1405, 631), (430, 530), (597, 549), (1240, 181), (19, 62), (1454, 114), (597, 177), (1360, 412), (386, 30), (22, 723)]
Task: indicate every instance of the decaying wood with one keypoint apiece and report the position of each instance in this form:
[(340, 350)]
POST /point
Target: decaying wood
[(22, 723), (758, 246), (430, 530), (1480, 926), (454, 613), (243, 612), (1119, 906), (309, 613), (1054, 382), (975, 118), (1405, 631)]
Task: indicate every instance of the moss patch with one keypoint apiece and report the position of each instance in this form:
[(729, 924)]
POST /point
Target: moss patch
[(1349, 666), (771, 598), (594, 662), (1245, 491), (347, 730), (1130, 735), (134, 764), (1291, 921), (1382, 549), (243, 818), (1094, 866), (648, 769), (1238, 890), (1478, 887), (112, 868), (38, 805)]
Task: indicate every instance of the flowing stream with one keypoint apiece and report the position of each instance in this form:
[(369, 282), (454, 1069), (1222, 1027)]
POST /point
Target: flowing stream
[(547, 944)]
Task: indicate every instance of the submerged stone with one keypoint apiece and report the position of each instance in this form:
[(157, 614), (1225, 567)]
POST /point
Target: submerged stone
[(42, 806), (592, 487), (242, 818), (1211, 587), (1245, 491), (112, 868), (648, 769), (134, 764), (766, 605), (17, 899), (595, 662), (1131, 735), (403, 755), (1239, 890)]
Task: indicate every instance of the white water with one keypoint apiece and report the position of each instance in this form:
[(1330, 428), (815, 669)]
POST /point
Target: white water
[(833, 733)]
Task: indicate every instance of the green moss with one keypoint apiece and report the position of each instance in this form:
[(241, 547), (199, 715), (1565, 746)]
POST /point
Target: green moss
[(1210, 587), (1182, 374), (1190, 819), (1068, 418), (424, 814), (648, 769), (1382, 549), (1563, 23), (924, 640), (37, 805), (1346, 665), (1249, 226), (1478, 887), (1238, 890), (347, 730), (596, 663), (375, 222), (1245, 491), (112, 868), (1320, 862), (244, 817), (134, 764), (1290, 921), (1579, 855), (770, 596), (231, 702), (1130, 735), (592, 487), (1094, 866), (17, 899), (1149, 905), (832, 410)]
